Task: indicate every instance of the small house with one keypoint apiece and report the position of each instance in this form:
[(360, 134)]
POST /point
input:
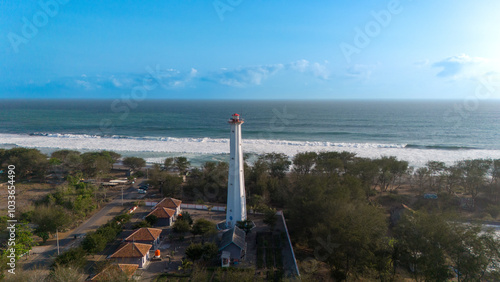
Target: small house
[(165, 216), (170, 203), (146, 236), (132, 253), (233, 246), (116, 271)]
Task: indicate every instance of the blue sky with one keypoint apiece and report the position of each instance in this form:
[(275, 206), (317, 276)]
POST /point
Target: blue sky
[(242, 49)]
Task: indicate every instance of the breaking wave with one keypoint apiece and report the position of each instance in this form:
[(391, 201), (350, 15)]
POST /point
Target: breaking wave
[(416, 155)]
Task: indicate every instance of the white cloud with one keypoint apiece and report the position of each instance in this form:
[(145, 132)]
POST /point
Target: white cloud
[(85, 84), (246, 76), (360, 71), (316, 69), (172, 78), (256, 75), (459, 66)]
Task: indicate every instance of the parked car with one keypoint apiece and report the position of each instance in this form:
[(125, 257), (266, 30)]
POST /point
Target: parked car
[(141, 191)]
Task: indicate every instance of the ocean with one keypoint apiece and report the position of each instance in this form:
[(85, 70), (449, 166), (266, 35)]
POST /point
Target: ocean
[(416, 131)]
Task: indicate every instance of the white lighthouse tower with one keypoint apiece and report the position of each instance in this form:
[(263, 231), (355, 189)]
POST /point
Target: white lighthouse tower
[(236, 200)]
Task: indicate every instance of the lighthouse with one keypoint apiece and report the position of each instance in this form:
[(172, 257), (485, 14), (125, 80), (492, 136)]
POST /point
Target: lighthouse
[(236, 200)]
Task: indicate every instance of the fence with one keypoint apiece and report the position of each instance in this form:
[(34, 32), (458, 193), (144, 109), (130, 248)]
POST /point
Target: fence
[(203, 207)]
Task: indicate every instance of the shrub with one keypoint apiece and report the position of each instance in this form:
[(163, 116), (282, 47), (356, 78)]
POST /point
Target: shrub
[(74, 257), (152, 219)]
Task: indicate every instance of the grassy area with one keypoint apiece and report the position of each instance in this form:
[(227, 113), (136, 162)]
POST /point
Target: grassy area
[(173, 277), (211, 274), (269, 255)]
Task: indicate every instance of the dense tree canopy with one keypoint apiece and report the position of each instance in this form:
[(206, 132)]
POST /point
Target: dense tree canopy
[(209, 183), (27, 162), (134, 163)]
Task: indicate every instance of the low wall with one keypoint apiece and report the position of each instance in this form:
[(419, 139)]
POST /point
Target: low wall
[(203, 207), (295, 268)]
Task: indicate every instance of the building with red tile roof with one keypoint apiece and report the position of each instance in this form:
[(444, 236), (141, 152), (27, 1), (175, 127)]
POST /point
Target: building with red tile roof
[(145, 236), (132, 253), (165, 216)]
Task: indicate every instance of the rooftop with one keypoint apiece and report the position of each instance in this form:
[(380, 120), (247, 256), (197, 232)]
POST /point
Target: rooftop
[(114, 270), (131, 250), (169, 203), (144, 234), (162, 212), (234, 235)]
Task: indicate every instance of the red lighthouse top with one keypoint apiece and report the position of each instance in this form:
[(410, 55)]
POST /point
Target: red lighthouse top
[(235, 118)]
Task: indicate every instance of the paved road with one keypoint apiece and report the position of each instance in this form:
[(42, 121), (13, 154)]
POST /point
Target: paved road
[(43, 254)]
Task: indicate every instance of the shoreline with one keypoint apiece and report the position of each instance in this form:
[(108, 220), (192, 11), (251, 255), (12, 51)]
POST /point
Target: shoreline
[(199, 150)]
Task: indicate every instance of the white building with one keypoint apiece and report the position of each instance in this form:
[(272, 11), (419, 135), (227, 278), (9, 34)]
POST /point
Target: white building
[(236, 200)]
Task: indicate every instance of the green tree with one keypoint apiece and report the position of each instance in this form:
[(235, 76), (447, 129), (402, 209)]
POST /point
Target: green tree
[(391, 170), (474, 175), (169, 164), (113, 156), (181, 226), (453, 178), (257, 179), (28, 162), (50, 218), (278, 164), (75, 257), (203, 227), (422, 175), (208, 183), (474, 252), (23, 240), (194, 251), (270, 217), (167, 183), (207, 251), (366, 171), (71, 160), (421, 240), (436, 172), (350, 238), (185, 265), (97, 164), (303, 163), (152, 219), (210, 251), (93, 243), (245, 225), (181, 164), (329, 163), (134, 163), (185, 216)]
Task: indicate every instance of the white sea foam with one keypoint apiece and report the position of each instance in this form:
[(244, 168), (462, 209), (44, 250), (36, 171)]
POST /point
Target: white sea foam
[(415, 156)]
